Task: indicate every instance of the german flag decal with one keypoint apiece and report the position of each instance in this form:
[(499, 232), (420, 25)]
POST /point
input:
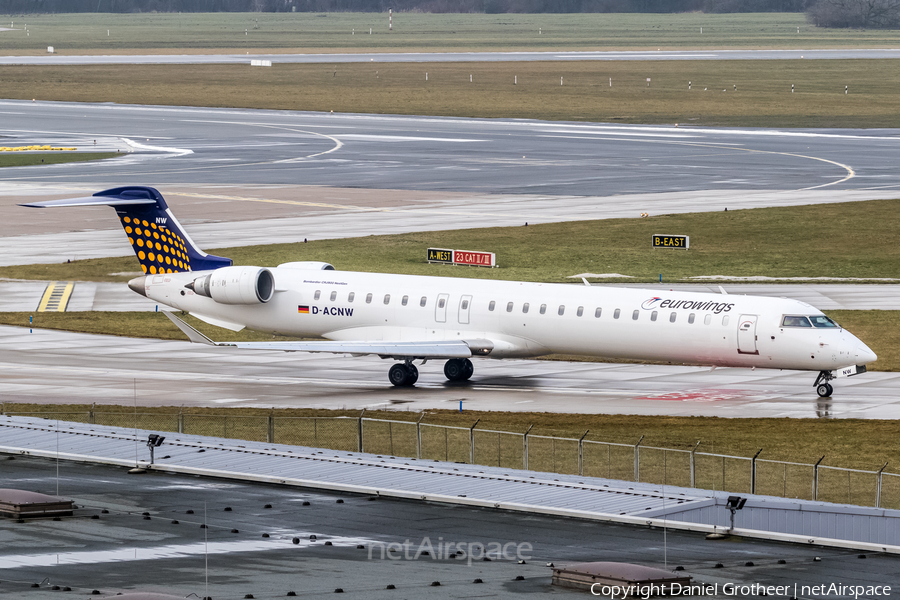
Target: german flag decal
[(303, 310)]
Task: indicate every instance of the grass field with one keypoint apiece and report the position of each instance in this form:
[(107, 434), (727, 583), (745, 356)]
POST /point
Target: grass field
[(734, 93), (27, 159), (336, 32), (775, 242), (849, 443)]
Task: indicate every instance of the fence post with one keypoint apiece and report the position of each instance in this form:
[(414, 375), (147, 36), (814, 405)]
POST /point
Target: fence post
[(637, 460), (694, 465), (816, 479), (525, 448), (359, 431), (581, 454), (419, 436), (270, 430), (91, 414), (472, 443), (753, 472), (878, 487), (180, 421)]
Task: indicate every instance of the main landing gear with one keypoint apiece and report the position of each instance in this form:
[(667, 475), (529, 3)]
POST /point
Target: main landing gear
[(456, 369), (403, 374), (823, 388)]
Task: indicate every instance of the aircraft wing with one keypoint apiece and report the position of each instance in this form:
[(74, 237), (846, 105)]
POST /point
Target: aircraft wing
[(385, 349)]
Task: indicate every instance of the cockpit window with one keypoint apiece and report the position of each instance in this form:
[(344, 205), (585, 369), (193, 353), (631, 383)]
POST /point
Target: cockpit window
[(822, 321), (790, 321)]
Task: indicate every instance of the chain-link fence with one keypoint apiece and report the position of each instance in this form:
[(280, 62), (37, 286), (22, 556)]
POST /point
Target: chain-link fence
[(577, 456)]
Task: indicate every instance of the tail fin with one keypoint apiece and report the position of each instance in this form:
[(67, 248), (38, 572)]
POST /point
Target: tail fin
[(158, 239)]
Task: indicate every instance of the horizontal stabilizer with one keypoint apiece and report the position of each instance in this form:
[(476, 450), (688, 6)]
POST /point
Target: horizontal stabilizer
[(397, 350), (91, 201)]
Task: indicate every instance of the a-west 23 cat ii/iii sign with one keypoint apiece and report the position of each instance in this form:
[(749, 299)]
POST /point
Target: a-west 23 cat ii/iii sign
[(462, 257), (665, 240)]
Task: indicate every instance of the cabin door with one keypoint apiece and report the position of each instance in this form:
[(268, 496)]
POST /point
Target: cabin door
[(440, 308), (747, 335)]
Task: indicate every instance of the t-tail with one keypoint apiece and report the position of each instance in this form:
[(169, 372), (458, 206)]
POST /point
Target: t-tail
[(159, 241)]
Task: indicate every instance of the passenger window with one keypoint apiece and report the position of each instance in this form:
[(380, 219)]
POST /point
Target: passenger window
[(580, 311), (317, 295), (387, 298), (423, 301), (465, 304), (491, 305), (616, 313), (509, 306), (795, 322), (368, 298), (441, 303), (673, 316), (691, 318), (562, 309), (725, 320), (543, 308), (597, 312), (333, 296), (404, 300), (525, 308), (653, 315), (822, 321), (351, 296), (707, 319)]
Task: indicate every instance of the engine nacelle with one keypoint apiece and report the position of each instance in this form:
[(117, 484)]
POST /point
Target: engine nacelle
[(236, 285), (310, 265)]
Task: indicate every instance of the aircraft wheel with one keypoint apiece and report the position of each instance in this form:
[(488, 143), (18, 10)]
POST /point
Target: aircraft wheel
[(399, 375), (413, 376), (824, 390), (454, 369), (468, 369)]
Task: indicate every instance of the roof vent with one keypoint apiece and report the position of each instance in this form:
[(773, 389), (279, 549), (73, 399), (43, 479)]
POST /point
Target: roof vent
[(584, 575), (21, 504)]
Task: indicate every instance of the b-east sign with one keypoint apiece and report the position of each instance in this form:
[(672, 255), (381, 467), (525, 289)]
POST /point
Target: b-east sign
[(664, 240), (462, 257)]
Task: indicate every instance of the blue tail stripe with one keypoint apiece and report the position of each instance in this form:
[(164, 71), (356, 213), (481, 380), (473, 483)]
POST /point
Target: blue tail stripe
[(156, 237)]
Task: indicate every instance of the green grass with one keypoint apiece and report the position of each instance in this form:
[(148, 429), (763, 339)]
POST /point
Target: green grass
[(129, 324), (774, 242), (849, 443), (763, 96), (23, 159), (330, 32)]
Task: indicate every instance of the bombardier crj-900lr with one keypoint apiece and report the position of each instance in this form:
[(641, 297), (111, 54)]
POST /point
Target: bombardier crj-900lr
[(413, 318)]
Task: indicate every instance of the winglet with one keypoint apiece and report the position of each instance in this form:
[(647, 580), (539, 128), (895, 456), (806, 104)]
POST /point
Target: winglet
[(194, 335)]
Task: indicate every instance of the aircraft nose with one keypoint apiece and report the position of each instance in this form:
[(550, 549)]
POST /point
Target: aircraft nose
[(138, 284), (864, 355)]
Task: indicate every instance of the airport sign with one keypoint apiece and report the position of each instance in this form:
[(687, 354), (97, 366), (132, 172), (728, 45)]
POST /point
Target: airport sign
[(665, 240), (462, 257)]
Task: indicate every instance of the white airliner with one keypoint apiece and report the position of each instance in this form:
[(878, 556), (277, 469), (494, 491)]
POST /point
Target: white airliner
[(409, 318)]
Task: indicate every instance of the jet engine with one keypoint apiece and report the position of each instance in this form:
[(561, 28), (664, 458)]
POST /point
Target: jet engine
[(236, 285)]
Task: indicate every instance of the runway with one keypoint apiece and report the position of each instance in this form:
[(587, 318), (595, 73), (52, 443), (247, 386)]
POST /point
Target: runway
[(234, 177), (239, 177), (61, 367), (395, 57)]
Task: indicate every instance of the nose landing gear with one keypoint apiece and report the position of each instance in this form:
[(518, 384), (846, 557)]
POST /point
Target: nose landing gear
[(823, 388)]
